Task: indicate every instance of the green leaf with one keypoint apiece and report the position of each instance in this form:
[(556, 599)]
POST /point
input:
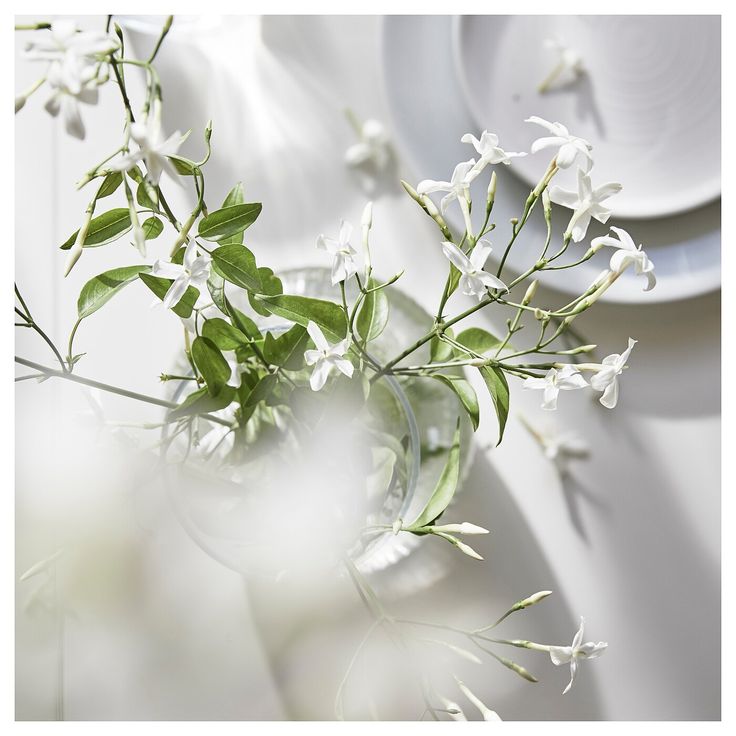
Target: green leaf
[(445, 488), (228, 221), (301, 309), (202, 402), (160, 286), (216, 287), (103, 229), (465, 392), (183, 166), (144, 196), (235, 196), (135, 174), (99, 290), (152, 228), (261, 390), (478, 340), (244, 323), (110, 183), (439, 350), (373, 315), (270, 286), (211, 364), (237, 265), (499, 390), (223, 334), (287, 350)]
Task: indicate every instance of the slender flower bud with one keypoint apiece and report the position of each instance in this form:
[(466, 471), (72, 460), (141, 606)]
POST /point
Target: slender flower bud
[(491, 196), (547, 205), (532, 599), (579, 350), (366, 220), (464, 528), (530, 292)]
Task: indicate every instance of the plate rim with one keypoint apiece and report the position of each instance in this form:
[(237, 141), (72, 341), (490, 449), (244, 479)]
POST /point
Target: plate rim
[(709, 193), (709, 280)]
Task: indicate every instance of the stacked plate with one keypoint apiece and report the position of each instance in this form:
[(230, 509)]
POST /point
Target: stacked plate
[(648, 101)]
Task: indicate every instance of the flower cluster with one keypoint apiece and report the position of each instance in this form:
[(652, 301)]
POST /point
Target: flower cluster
[(75, 69)]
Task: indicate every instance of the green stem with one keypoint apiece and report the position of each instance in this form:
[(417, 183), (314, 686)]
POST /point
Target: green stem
[(52, 373)]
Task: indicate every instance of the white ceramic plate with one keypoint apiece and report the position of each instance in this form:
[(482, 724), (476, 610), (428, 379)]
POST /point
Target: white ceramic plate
[(430, 115), (649, 101)]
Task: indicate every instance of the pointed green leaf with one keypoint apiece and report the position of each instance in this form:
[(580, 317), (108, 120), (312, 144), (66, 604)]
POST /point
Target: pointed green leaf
[(145, 196), (235, 196), (244, 323), (445, 488), (202, 402), (211, 364), (216, 287), (183, 166), (478, 340), (160, 286), (499, 389), (439, 350), (99, 290), (287, 350), (301, 309), (270, 286), (261, 390), (223, 334), (229, 221), (237, 265), (110, 184), (373, 316), (465, 392), (103, 229), (152, 228)]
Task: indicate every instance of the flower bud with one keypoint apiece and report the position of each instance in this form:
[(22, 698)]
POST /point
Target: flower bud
[(546, 203), (491, 196), (532, 599), (366, 220), (464, 528), (541, 314), (74, 255), (530, 292)]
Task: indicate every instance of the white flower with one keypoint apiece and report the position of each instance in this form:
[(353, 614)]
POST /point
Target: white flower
[(374, 146), (569, 62), (570, 146), (343, 263), (626, 255), (585, 203), (578, 650), (566, 378), (606, 375), (326, 357), (474, 281), (488, 150), (63, 38), (194, 271), (152, 148), (457, 188), (72, 83), (487, 713)]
